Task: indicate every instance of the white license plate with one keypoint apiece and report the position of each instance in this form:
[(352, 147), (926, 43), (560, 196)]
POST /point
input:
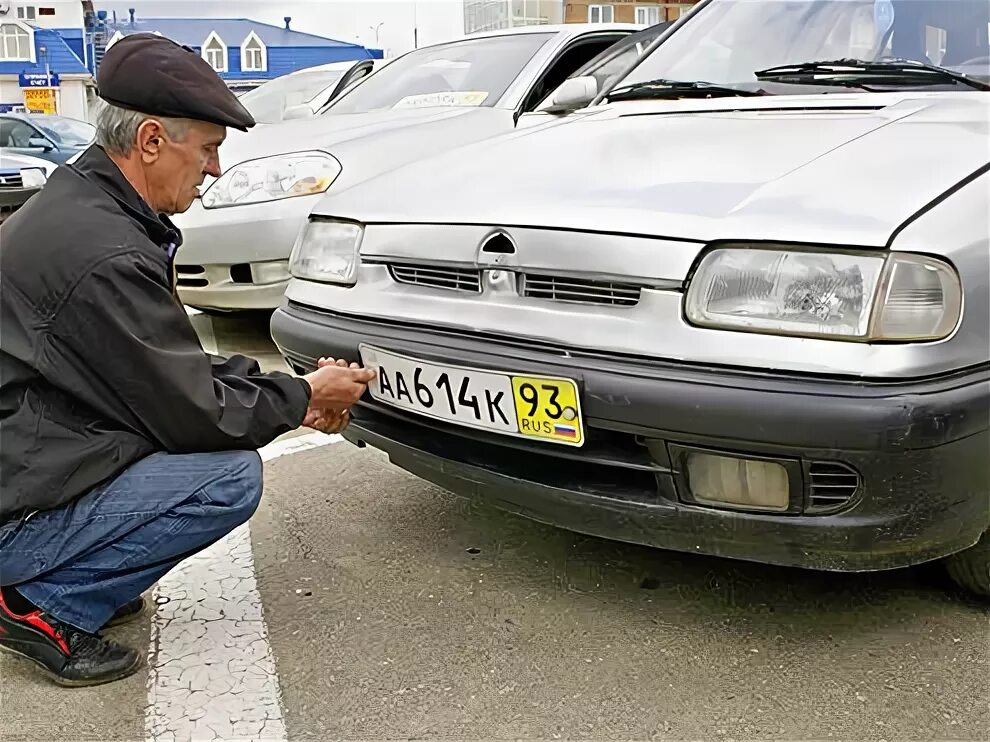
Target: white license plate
[(540, 408)]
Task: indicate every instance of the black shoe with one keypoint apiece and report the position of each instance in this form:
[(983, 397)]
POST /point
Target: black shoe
[(68, 656), (126, 613)]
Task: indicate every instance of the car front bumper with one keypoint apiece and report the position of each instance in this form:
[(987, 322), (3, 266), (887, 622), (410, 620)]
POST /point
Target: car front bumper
[(912, 455), (237, 258)]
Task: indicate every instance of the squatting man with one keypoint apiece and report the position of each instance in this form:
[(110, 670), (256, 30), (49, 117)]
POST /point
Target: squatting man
[(124, 447)]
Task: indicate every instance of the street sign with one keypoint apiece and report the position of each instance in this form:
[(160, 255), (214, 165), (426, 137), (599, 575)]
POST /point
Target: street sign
[(38, 80), (41, 100)]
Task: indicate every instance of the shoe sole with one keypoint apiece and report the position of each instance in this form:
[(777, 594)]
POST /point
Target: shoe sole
[(66, 683)]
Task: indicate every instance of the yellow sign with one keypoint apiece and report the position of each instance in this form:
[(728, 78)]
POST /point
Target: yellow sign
[(548, 409), (41, 100)]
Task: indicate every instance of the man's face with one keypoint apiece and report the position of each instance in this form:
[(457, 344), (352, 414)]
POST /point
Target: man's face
[(181, 166)]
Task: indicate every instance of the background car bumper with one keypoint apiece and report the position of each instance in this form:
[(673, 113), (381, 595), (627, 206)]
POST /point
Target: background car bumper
[(224, 251), (884, 475)]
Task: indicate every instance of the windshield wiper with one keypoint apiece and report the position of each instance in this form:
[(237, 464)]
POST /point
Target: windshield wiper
[(662, 88), (856, 72)]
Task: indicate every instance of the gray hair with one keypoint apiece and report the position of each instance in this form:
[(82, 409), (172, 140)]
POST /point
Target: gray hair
[(116, 128)]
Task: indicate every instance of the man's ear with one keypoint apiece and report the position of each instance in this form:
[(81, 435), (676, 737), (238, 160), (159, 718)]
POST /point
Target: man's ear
[(149, 140)]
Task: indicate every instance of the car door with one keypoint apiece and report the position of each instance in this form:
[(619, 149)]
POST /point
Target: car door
[(615, 60), (569, 59), (21, 137)]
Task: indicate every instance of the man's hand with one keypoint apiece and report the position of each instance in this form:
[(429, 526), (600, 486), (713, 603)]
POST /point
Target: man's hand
[(327, 421), (333, 418), (336, 386)]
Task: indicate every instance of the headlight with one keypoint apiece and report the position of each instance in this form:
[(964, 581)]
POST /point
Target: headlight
[(327, 251), (272, 179), (33, 177), (825, 293)]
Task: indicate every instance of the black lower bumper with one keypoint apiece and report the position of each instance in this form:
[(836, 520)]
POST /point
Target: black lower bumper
[(881, 475)]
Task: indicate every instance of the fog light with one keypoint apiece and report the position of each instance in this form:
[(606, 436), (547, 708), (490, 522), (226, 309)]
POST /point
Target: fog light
[(270, 272), (740, 483)]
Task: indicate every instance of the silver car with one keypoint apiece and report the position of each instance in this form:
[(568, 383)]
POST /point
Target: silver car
[(238, 235), (739, 306)]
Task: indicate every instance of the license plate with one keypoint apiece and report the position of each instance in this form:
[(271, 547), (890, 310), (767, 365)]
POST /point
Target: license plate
[(541, 408)]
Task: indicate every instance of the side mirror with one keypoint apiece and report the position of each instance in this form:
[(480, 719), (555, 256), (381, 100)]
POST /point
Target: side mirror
[(40, 143), (297, 112), (575, 93)]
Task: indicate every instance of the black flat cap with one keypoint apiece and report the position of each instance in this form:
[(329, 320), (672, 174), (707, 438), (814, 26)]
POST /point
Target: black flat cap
[(154, 75)]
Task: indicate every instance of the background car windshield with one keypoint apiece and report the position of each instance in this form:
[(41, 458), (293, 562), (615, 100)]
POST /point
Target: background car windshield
[(67, 132), (472, 72), (268, 102), (726, 41)]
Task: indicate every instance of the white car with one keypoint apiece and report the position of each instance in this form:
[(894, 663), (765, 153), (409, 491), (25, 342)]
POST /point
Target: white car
[(238, 235), (21, 176), (740, 306), (303, 93)]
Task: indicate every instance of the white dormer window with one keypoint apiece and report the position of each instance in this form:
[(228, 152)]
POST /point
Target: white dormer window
[(16, 43), (215, 52), (254, 54)]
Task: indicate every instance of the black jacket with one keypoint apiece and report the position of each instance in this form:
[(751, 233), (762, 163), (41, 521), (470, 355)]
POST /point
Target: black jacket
[(99, 363)]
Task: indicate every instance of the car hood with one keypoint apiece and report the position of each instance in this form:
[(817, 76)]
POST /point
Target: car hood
[(367, 143), (16, 161), (842, 169)]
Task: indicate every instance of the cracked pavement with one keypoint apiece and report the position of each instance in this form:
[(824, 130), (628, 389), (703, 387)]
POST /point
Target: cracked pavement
[(391, 610)]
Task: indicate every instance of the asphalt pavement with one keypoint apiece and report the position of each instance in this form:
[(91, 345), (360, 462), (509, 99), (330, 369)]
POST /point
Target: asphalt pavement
[(363, 603)]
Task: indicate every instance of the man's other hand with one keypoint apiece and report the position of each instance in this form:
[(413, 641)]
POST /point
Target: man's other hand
[(337, 386), (328, 420)]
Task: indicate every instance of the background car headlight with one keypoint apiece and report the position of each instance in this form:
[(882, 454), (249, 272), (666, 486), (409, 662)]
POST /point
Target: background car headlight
[(33, 177), (825, 293), (327, 251), (272, 179)]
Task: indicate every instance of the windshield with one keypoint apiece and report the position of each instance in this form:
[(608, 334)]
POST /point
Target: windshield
[(472, 72), (726, 41), (268, 102), (68, 132)]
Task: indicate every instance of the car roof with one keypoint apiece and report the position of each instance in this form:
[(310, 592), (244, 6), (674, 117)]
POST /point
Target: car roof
[(561, 29), (329, 67)]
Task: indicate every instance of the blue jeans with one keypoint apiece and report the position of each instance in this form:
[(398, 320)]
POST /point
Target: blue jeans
[(83, 561)]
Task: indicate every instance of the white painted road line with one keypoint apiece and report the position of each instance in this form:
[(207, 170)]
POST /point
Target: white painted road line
[(212, 672)]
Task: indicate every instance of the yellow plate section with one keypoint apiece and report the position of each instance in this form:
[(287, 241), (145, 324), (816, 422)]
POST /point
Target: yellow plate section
[(548, 409)]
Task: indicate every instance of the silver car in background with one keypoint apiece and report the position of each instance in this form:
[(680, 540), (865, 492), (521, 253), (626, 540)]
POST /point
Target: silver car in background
[(739, 306), (305, 92), (238, 235)]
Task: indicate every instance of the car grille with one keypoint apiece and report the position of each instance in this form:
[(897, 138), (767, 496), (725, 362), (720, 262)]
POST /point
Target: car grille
[(534, 286), (455, 279), (832, 486), (11, 181), (578, 290)]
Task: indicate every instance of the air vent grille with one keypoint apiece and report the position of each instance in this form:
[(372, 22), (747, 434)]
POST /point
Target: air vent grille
[(581, 291), (832, 486), (454, 279)]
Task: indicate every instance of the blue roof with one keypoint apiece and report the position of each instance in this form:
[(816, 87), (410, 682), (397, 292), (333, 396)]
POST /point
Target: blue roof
[(61, 59), (232, 31)]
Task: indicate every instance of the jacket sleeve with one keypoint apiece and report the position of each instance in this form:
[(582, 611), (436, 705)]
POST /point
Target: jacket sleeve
[(125, 346)]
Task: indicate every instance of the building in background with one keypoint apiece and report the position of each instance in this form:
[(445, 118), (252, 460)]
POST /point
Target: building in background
[(45, 61), (491, 15), (245, 53), (644, 12)]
